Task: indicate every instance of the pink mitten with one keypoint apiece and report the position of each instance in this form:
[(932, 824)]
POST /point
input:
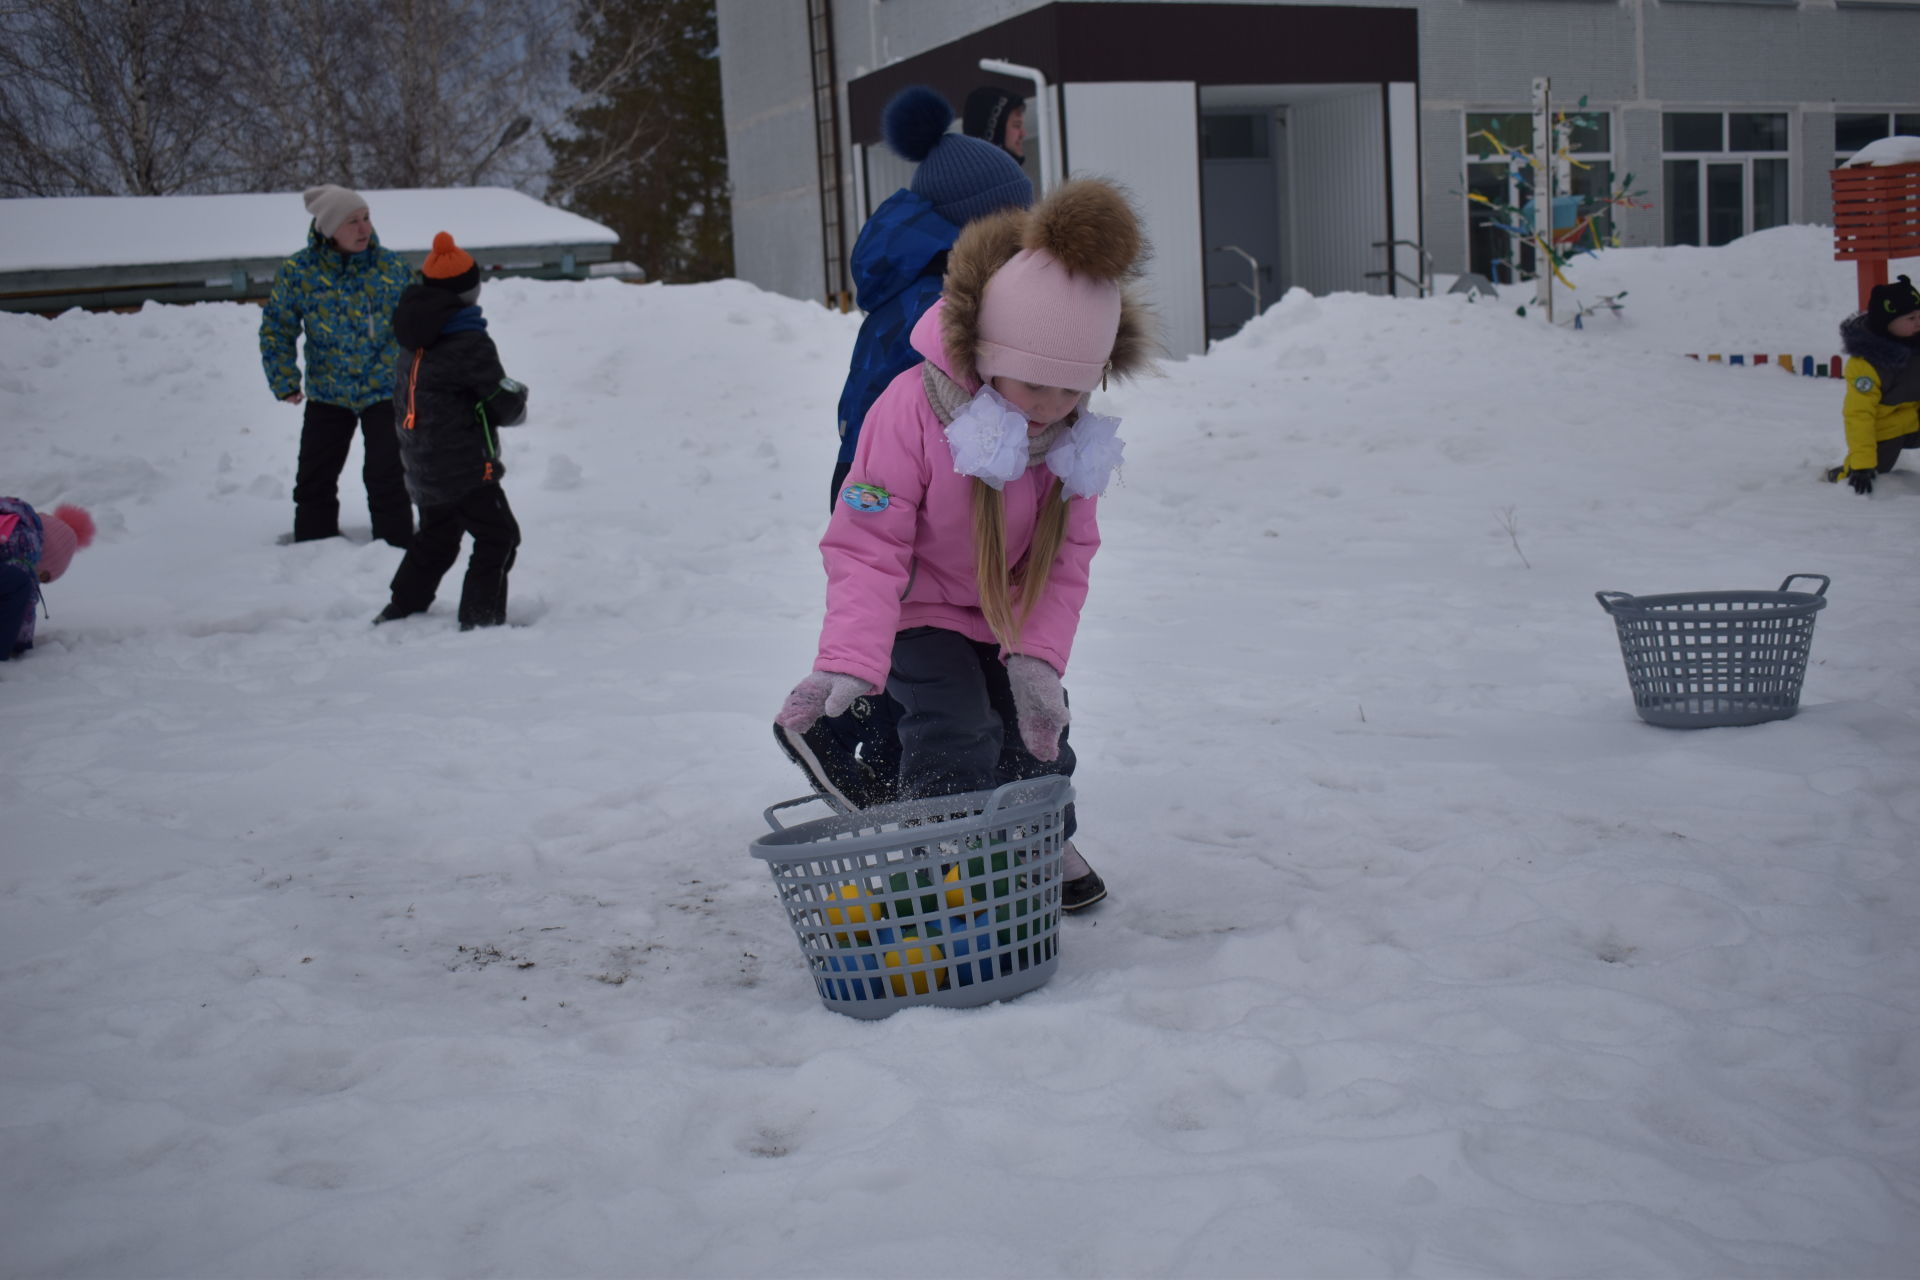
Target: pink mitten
[(822, 693), (1039, 703)]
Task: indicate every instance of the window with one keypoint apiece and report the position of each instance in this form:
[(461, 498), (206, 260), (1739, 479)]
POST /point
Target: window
[(1503, 181), (1233, 137), (1756, 131), (1726, 174), (1853, 130), (1691, 131)]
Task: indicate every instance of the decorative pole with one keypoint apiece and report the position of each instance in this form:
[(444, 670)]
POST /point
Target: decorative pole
[(1543, 194)]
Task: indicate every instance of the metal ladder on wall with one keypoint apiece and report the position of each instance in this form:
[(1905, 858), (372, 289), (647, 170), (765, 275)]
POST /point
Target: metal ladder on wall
[(826, 130)]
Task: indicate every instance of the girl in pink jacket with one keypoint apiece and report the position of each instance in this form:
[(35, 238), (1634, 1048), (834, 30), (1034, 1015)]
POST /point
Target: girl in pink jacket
[(957, 556)]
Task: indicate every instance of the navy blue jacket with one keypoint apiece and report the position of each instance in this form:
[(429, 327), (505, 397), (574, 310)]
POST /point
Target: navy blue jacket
[(898, 262), (449, 393)]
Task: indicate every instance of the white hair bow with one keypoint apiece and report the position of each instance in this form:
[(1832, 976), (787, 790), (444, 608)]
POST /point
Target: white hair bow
[(989, 439), (1087, 456)]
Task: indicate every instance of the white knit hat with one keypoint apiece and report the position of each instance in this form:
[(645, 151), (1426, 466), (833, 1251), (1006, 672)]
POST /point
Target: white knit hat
[(331, 206)]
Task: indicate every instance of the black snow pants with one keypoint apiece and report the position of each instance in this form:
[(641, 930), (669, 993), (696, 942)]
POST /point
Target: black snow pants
[(958, 727), (326, 435), (484, 513)]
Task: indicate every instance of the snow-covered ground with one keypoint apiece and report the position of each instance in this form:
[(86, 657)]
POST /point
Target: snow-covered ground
[(335, 951)]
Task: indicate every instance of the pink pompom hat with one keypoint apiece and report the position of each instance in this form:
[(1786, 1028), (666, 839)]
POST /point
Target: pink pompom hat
[(1042, 323), (64, 532)]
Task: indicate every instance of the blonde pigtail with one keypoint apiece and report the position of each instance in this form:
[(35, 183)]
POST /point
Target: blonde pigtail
[(995, 580)]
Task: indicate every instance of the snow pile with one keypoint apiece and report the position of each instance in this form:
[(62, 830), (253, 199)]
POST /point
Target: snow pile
[(331, 950)]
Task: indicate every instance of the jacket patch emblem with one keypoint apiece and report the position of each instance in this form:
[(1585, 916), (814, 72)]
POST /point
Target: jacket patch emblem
[(1863, 385), (865, 497)]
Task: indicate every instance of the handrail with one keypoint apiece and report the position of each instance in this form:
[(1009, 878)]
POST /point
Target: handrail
[(1253, 265), (1423, 285), (1419, 285)]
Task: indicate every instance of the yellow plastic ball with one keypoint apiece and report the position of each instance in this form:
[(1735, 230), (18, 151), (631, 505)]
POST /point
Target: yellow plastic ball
[(919, 978)]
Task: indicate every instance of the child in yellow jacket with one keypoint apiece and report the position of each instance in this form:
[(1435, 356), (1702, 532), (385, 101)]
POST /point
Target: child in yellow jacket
[(1882, 408)]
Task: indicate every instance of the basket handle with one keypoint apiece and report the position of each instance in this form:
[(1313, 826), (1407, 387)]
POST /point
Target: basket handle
[(1608, 599), (1003, 797), (1825, 581), (1010, 793), (777, 825)]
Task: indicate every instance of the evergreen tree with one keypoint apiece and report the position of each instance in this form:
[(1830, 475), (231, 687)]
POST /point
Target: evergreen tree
[(645, 148)]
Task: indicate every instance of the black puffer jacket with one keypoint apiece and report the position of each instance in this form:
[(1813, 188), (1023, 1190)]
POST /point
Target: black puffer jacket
[(449, 395)]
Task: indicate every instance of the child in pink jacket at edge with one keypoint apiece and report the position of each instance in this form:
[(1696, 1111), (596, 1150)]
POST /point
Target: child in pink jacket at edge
[(957, 556), (35, 548)]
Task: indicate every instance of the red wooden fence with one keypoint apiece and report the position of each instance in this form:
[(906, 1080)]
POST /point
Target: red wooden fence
[(1876, 216)]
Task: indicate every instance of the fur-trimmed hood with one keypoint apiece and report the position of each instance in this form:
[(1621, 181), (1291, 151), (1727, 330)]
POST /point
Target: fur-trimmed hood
[(1090, 227), (1887, 354)]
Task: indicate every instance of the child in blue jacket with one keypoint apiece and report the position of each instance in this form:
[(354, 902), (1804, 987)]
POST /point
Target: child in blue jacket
[(901, 255)]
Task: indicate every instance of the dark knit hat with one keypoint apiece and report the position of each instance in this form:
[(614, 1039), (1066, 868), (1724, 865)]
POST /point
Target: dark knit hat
[(961, 177), (1888, 302), (449, 266), (986, 112)]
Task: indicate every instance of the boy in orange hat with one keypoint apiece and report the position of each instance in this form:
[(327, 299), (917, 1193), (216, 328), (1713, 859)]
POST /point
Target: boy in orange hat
[(449, 395)]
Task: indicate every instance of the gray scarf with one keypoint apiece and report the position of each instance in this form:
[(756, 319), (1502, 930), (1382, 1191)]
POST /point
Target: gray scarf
[(947, 398)]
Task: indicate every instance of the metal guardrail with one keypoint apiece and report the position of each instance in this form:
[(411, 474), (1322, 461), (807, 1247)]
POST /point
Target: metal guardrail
[(239, 280)]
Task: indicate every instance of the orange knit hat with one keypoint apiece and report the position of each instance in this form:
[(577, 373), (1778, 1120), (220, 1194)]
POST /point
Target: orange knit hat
[(449, 266)]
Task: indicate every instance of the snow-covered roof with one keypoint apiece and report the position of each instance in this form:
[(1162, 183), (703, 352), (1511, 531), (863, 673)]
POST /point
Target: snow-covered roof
[(1895, 150), (114, 231)]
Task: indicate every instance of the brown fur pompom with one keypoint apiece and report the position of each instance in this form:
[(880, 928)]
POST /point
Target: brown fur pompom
[(1089, 226), (985, 245)]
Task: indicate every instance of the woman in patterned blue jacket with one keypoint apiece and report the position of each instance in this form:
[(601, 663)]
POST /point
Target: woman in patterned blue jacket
[(340, 290)]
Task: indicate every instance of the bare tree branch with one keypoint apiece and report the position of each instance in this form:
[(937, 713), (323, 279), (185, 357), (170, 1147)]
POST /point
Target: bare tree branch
[(148, 97)]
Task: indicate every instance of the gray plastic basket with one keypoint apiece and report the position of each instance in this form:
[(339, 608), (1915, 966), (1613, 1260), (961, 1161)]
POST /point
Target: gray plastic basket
[(951, 901), (1703, 659)]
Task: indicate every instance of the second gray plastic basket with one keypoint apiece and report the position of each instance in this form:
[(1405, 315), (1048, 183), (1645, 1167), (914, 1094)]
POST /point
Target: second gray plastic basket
[(949, 901), (1704, 659)]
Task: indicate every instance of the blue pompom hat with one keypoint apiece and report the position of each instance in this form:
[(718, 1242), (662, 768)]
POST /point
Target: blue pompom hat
[(962, 178)]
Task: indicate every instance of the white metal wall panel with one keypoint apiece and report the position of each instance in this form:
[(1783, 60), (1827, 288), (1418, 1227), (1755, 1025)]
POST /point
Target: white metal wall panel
[(1813, 160), (887, 172), (1338, 191), (1403, 118), (1147, 137), (1443, 177), (772, 163), (1637, 151)]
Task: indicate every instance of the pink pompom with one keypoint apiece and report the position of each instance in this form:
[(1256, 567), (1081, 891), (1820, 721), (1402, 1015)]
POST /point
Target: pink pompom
[(76, 519)]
